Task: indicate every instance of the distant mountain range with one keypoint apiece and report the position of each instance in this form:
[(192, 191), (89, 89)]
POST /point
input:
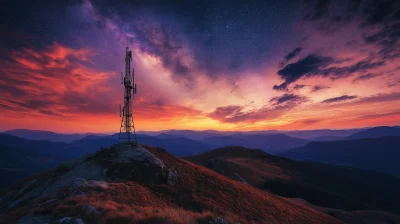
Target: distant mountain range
[(375, 132), (44, 135), (272, 143), (320, 184), (17, 164), (326, 138), (379, 154), (194, 135), (55, 149), (180, 143), (312, 134)]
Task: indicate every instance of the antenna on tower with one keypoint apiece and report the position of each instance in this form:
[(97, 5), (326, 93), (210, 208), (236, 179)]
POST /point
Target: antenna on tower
[(127, 131)]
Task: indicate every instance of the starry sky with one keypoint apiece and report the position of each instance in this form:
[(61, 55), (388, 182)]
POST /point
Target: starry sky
[(200, 64)]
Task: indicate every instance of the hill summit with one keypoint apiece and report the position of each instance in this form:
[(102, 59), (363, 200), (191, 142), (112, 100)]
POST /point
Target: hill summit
[(141, 184)]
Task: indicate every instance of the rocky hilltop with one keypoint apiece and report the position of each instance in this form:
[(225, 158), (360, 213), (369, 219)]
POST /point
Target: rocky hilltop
[(140, 184)]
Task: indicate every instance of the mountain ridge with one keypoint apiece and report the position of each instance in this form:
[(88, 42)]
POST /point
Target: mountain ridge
[(321, 184), (375, 132), (44, 135), (379, 154), (272, 143)]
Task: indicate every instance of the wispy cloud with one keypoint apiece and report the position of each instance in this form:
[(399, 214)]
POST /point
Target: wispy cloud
[(339, 99)]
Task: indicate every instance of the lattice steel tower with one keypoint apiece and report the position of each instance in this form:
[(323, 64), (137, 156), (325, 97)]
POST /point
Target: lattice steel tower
[(127, 132)]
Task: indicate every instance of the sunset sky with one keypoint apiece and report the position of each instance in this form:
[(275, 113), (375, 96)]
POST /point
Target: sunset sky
[(222, 65)]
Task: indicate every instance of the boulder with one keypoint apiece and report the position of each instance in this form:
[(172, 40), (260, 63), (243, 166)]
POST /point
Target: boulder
[(78, 183), (98, 184), (218, 221), (172, 177), (69, 220)]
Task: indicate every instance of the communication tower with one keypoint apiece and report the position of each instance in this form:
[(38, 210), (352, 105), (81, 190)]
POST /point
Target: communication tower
[(127, 131)]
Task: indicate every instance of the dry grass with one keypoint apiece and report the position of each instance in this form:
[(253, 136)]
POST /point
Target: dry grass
[(108, 211), (154, 216)]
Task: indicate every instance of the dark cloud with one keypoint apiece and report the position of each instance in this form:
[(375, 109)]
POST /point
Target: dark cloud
[(287, 98), (310, 121), (341, 72), (281, 87), (293, 54), (379, 23), (235, 114), (317, 88), (382, 115), (339, 99), (368, 100), (231, 111), (309, 65), (299, 86), (387, 39), (314, 65), (366, 76), (290, 56), (368, 12), (319, 10), (383, 11), (327, 17), (383, 97), (50, 113), (382, 16), (393, 83), (352, 43), (387, 35)]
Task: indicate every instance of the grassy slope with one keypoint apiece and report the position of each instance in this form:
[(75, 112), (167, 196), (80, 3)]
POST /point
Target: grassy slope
[(320, 184)]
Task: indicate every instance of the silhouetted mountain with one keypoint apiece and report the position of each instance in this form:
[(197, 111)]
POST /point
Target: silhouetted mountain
[(321, 184), (44, 135), (379, 154), (168, 136), (312, 134), (47, 148), (272, 143), (375, 132), (140, 184), (16, 164), (178, 146), (194, 135), (94, 137), (326, 138)]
